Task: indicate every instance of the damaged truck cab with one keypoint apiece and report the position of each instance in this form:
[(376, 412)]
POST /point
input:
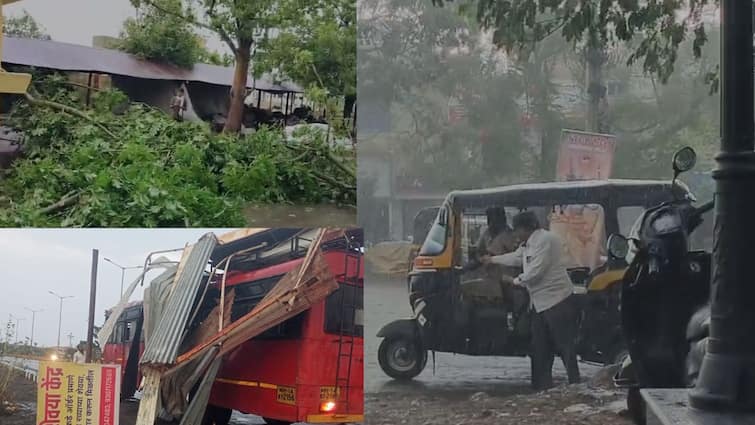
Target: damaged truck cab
[(306, 368)]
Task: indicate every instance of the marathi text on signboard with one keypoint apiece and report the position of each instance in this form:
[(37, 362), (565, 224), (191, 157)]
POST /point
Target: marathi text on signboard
[(585, 156), (78, 394)]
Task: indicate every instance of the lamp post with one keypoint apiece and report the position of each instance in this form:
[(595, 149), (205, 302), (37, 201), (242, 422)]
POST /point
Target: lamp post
[(727, 376), (33, 314), (123, 270), (60, 314)]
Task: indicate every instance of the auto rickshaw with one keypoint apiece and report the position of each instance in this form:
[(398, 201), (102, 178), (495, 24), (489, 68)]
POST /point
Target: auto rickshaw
[(456, 312)]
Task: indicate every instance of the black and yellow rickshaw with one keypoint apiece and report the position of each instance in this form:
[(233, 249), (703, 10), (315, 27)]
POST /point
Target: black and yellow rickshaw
[(455, 313)]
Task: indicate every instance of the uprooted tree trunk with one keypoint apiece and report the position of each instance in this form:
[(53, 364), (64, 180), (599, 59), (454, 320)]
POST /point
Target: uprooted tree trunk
[(238, 88)]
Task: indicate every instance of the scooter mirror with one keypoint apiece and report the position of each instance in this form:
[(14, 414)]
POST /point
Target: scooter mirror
[(618, 246), (684, 159)]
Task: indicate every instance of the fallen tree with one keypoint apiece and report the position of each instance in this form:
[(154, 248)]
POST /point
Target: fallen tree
[(123, 164)]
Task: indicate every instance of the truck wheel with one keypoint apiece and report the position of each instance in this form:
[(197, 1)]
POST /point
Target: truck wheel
[(215, 415), (636, 406), (401, 358)]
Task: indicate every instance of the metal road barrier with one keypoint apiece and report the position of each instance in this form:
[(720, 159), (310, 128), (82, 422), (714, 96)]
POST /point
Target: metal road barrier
[(27, 367)]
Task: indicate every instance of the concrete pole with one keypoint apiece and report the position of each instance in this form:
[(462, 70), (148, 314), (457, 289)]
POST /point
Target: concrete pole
[(727, 377)]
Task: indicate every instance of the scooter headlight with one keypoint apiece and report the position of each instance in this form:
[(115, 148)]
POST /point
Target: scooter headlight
[(667, 223)]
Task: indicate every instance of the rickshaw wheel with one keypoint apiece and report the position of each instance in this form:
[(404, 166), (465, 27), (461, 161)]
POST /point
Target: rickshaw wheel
[(401, 358), (215, 415)]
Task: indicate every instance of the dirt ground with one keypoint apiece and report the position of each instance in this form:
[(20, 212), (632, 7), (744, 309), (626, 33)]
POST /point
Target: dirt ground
[(23, 397), (593, 403)]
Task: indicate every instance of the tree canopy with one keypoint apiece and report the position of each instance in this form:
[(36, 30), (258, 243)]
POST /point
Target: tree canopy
[(661, 27), (162, 37), (24, 26), (315, 46)]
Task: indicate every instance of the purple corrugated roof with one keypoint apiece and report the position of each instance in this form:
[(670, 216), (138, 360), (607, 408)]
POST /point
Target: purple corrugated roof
[(71, 57)]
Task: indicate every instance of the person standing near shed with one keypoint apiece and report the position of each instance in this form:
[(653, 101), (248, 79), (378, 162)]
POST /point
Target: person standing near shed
[(178, 104), (554, 310)]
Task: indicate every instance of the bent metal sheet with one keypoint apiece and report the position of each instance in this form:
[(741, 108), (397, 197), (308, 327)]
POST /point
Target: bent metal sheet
[(78, 394)]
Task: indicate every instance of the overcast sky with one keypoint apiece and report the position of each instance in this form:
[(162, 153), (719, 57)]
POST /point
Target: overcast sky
[(35, 261), (77, 21)]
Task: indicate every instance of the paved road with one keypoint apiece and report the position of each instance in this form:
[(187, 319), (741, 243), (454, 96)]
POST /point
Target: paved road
[(386, 301)]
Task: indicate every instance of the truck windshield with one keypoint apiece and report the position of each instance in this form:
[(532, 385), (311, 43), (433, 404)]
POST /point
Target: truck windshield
[(435, 241)]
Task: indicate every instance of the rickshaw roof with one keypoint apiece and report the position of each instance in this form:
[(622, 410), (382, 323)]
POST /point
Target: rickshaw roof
[(623, 192)]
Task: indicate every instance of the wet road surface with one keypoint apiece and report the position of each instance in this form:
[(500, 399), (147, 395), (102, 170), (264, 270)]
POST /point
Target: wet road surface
[(455, 375)]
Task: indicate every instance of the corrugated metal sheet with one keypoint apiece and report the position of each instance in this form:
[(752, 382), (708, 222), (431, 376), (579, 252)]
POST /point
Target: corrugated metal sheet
[(166, 339), (155, 296), (75, 58), (104, 334)]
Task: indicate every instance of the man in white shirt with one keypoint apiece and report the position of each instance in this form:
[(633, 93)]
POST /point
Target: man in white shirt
[(554, 310), (78, 356)]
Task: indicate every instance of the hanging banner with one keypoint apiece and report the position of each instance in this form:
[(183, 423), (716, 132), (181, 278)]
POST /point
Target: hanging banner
[(582, 231), (78, 394), (585, 156)]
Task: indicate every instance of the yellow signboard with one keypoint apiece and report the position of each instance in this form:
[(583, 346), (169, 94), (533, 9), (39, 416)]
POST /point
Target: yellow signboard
[(78, 394), (328, 393), (286, 395)]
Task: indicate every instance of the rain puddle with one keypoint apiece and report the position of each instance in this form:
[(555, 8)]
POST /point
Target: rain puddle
[(278, 215)]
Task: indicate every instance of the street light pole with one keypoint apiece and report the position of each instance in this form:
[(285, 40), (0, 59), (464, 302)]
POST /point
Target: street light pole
[(727, 376), (60, 313), (123, 270), (33, 314)]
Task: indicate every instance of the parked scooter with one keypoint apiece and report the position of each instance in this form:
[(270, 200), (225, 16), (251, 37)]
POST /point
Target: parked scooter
[(666, 285)]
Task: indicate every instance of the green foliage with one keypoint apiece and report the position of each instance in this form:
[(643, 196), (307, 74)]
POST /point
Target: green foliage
[(24, 26), (155, 172), (652, 125), (413, 58), (316, 45), (662, 27), (215, 58), (162, 37)]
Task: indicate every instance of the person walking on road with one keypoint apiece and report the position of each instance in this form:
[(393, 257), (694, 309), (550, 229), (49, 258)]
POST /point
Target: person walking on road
[(554, 310)]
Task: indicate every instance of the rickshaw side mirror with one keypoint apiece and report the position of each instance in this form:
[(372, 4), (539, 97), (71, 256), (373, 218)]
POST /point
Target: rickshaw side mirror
[(617, 246), (684, 160)]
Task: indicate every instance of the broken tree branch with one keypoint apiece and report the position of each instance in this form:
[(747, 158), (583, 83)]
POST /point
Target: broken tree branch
[(69, 110), (333, 182), (68, 200)]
